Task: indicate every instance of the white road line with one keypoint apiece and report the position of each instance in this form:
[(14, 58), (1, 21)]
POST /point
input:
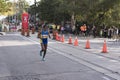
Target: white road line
[(100, 57), (113, 61), (106, 78), (30, 40)]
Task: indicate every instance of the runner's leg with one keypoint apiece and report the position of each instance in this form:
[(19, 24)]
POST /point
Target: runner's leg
[(45, 46)]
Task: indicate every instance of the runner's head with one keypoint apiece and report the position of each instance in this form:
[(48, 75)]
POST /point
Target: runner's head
[(45, 27)]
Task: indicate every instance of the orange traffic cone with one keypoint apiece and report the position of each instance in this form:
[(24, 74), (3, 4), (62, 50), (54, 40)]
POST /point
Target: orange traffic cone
[(70, 40), (76, 42), (58, 37), (62, 38), (87, 45), (104, 49)]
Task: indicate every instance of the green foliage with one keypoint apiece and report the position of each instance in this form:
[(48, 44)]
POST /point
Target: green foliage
[(4, 6), (51, 11), (97, 12)]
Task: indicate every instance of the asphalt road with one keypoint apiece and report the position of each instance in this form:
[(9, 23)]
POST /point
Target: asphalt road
[(20, 60)]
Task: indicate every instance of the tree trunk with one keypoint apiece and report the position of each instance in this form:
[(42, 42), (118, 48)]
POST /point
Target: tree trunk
[(73, 21)]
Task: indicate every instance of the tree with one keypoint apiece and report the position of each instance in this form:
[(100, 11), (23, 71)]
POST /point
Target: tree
[(5, 6), (48, 10), (97, 12)]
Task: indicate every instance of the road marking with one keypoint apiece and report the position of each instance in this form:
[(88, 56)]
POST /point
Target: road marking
[(106, 78), (30, 40), (100, 57), (113, 61)]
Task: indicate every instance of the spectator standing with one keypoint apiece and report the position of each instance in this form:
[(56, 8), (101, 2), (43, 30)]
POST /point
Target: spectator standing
[(94, 31), (105, 32), (62, 30), (101, 33), (110, 32)]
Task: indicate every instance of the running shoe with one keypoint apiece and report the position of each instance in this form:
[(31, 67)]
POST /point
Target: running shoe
[(43, 59), (40, 53)]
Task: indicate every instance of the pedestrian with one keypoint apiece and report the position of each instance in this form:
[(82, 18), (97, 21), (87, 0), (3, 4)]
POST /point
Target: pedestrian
[(44, 34), (88, 31), (105, 30), (110, 32), (115, 32), (94, 31), (101, 33), (83, 29), (62, 30)]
